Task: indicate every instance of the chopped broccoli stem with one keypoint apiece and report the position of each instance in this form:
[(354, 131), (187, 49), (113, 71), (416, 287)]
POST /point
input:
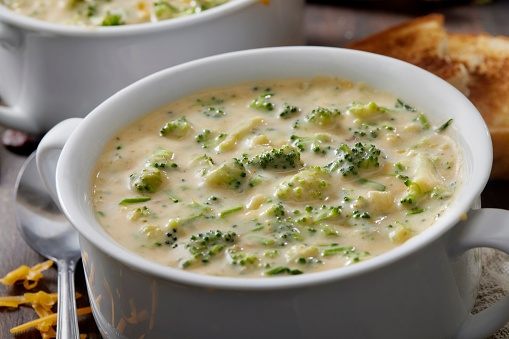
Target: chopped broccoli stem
[(424, 121), (444, 126), (238, 133), (345, 250), (287, 157), (415, 211), (174, 223), (327, 214), (231, 210), (281, 269), (262, 241), (128, 201), (376, 185), (401, 104)]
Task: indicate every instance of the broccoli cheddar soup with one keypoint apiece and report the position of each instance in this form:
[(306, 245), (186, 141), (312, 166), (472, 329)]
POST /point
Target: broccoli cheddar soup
[(108, 12), (276, 178)]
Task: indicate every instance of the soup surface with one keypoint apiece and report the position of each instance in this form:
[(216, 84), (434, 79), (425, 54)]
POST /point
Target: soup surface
[(276, 178), (108, 12)]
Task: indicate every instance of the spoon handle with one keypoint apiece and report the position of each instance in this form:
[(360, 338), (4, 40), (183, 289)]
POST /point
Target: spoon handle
[(67, 320)]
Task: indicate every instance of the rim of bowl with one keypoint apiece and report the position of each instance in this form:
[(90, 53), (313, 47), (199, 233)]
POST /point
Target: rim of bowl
[(33, 24), (479, 177)]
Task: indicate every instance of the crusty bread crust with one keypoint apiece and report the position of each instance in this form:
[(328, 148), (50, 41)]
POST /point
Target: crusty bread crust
[(410, 41), (487, 60), (476, 64)]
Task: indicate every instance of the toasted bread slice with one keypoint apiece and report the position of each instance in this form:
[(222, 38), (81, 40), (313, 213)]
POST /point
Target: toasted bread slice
[(476, 64), (422, 42), (487, 60)]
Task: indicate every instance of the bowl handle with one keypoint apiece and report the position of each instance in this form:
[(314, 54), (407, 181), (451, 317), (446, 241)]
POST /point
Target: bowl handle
[(483, 228), (49, 150), (12, 117)]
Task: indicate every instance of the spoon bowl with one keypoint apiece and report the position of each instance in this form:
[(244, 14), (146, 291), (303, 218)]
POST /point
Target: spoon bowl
[(48, 232)]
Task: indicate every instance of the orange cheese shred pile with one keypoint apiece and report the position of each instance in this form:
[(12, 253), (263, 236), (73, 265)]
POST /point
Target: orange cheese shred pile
[(49, 318), (41, 301), (29, 275)]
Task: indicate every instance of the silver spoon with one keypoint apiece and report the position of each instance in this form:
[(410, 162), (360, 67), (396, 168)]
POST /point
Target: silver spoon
[(47, 231)]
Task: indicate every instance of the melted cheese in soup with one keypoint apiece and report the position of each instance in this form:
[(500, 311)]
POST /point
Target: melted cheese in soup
[(108, 12), (276, 178)]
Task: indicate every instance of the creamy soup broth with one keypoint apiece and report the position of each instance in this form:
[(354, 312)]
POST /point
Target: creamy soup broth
[(108, 12), (276, 178)]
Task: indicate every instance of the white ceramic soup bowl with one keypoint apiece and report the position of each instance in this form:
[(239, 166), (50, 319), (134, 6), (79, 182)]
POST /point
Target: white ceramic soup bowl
[(50, 72), (423, 289)]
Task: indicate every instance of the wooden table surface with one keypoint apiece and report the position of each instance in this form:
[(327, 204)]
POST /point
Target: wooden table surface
[(327, 23)]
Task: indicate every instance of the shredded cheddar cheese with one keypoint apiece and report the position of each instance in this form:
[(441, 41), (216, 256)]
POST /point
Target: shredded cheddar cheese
[(41, 301), (30, 276), (50, 318)]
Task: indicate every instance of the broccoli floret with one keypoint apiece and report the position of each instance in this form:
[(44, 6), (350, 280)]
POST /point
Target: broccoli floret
[(262, 102), (413, 192), (351, 160), (208, 138), (321, 117), (213, 112), (288, 111), (276, 211), (287, 157), (176, 128), (162, 159), (148, 181), (203, 246), (230, 174), (309, 184), (112, 20), (163, 10), (240, 258), (139, 213), (363, 111), (313, 143)]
